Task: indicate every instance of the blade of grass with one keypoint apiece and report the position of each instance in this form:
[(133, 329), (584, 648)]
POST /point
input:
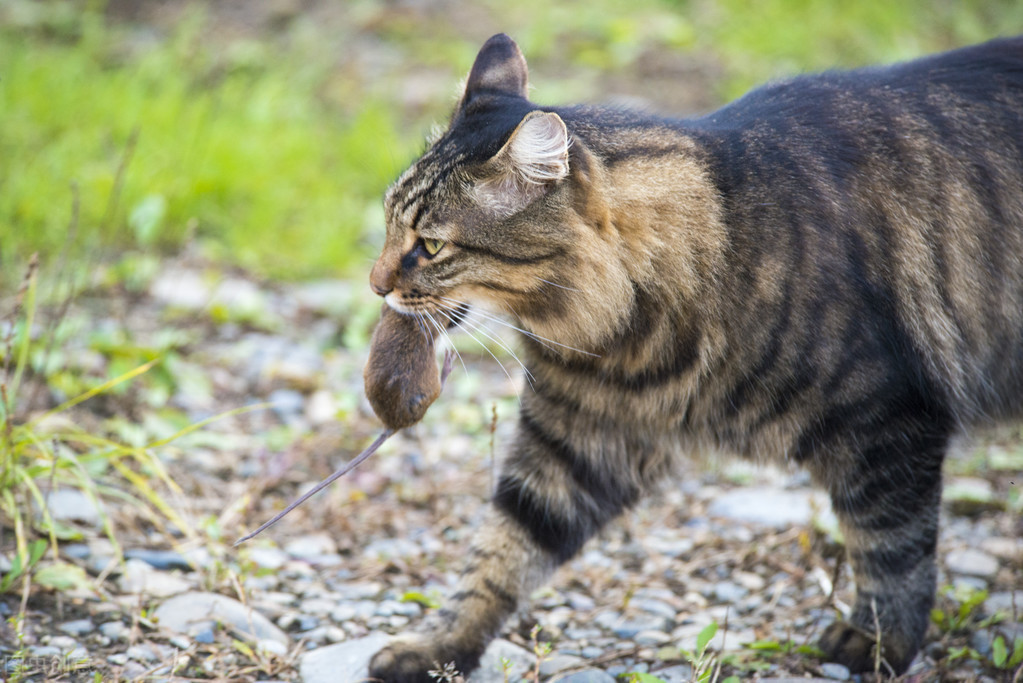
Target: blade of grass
[(85, 396)]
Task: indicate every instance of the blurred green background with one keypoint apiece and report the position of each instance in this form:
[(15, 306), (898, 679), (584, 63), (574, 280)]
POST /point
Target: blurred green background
[(262, 134)]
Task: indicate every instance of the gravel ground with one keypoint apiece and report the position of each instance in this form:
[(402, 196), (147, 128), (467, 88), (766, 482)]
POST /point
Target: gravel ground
[(751, 549)]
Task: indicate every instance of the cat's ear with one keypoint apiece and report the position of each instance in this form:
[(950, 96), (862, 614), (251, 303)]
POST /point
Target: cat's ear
[(531, 161), (499, 68)]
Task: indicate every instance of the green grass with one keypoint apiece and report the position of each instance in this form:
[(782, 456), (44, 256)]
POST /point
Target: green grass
[(237, 148), (273, 159)]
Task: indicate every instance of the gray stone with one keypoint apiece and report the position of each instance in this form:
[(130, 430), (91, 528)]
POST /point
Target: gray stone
[(114, 630), (71, 505), (142, 653), (311, 545), (728, 592), (651, 638), (141, 577), (971, 562), (347, 661), (652, 606), (192, 613), (287, 403), (559, 662), (771, 507), (835, 671), (78, 627), (585, 676), (159, 559), (680, 673), (629, 628), (491, 668), (268, 558)]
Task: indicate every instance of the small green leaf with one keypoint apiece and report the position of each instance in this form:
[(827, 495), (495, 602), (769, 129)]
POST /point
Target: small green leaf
[(765, 645), (999, 653), (638, 677), (732, 679), (705, 636), (147, 217), (1017, 653), (62, 576)]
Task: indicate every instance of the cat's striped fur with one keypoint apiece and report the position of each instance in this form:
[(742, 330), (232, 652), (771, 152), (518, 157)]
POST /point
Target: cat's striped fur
[(827, 271)]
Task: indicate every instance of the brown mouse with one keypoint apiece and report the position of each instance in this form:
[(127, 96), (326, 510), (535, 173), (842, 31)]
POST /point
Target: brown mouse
[(401, 375)]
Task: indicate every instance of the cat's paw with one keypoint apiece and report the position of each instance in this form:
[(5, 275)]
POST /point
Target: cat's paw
[(856, 648), (408, 660)]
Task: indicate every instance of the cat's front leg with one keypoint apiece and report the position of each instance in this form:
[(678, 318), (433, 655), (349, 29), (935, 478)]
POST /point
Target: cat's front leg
[(503, 566), (552, 496), (888, 512)]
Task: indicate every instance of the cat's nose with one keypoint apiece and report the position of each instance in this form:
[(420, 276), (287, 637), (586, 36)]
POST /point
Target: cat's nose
[(382, 278)]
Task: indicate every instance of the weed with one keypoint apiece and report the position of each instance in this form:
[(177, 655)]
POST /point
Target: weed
[(960, 611)]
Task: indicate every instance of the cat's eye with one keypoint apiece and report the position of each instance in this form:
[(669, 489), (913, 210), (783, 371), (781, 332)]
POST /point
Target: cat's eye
[(432, 246)]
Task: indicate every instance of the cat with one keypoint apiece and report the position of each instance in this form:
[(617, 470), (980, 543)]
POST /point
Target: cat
[(828, 271)]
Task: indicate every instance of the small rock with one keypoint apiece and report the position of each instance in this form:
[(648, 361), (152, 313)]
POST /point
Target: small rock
[(580, 602), (71, 505), (192, 613), (680, 673), (78, 627), (971, 562), (114, 630), (141, 577), (46, 651), (321, 408), (491, 669), (311, 545), (585, 676), (559, 662), (347, 661), (835, 671), (728, 592), (271, 646), (142, 653), (629, 628), (120, 659), (770, 507), (159, 559), (651, 638), (268, 558), (1007, 549), (287, 403)]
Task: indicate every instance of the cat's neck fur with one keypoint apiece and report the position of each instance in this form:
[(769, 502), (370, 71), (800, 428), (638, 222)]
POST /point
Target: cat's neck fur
[(648, 225)]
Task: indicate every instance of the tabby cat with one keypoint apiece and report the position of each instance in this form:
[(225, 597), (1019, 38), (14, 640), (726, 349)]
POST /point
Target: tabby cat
[(828, 271)]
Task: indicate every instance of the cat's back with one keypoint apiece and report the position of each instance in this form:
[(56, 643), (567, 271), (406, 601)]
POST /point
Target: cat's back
[(889, 194)]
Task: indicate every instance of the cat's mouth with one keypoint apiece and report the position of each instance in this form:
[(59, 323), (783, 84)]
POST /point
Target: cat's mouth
[(449, 312)]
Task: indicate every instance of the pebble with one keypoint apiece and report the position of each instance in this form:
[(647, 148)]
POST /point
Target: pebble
[(192, 613), (71, 505), (585, 676), (347, 661), (114, 630), (311, 546), (159, 559), (835, 671), (680, 673), (972, 562), (142, 653), (771, 507), (142, 577), (78, 627)]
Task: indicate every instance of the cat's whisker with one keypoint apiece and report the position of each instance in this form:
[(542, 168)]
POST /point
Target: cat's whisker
[(487, 349), (451, 342), (555, 284), (543, 341), (482, 329)]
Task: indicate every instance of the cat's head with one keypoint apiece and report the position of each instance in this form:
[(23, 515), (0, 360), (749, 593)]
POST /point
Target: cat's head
[(490, 215)]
